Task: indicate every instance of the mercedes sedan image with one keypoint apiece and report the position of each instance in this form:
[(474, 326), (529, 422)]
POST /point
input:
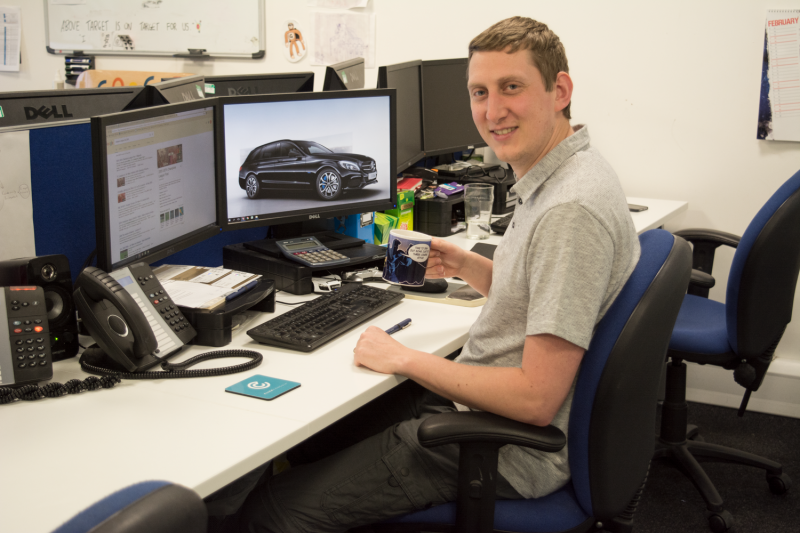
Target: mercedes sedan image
[(289, 164)]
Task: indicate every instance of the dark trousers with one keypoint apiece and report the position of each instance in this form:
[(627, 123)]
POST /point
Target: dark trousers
[(366, 468)]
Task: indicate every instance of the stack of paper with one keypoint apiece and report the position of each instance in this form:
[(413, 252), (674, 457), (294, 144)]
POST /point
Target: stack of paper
[(202, 287)]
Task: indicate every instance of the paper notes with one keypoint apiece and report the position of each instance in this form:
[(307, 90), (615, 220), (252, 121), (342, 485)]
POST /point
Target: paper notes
[(779, 108)]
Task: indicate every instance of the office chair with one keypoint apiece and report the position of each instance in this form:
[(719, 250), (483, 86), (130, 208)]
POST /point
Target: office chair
[(739, 335), (610, 428), (148, 507)]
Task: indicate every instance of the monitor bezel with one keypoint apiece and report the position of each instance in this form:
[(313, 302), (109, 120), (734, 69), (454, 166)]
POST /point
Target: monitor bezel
[(449, 149), (101, 186), (333, 78), (307, 84), (383, 84), (306, 214), (157, 90)]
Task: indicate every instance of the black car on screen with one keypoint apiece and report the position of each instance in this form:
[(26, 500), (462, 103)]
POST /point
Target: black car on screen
[(290, 164)]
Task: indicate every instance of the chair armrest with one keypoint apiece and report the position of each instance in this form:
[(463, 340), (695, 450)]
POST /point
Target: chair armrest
[(480, 426), (710, 236), (702, 280)]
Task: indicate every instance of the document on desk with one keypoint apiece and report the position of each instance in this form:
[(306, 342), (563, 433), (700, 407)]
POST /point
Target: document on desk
[(11, 33), (201, 287), (16, 206), (779, 105)]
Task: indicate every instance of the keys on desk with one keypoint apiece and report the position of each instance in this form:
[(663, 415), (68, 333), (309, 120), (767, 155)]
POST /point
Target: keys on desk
[(312, 324)]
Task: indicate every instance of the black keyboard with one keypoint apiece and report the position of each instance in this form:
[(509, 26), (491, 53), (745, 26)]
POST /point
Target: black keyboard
[(312, 324), (501, 224)]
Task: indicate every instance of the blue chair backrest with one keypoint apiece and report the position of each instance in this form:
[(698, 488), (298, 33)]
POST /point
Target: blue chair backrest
[(763, 274), (612, 420)]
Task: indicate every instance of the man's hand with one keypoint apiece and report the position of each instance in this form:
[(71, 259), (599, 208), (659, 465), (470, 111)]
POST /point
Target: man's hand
[(378, 351), (448, 260)]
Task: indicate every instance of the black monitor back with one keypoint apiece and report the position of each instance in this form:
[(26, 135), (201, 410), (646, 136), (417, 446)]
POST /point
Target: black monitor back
[(406, 78), (175, 91), (446, 114), (44, 108), (345, 75), (289, 82)]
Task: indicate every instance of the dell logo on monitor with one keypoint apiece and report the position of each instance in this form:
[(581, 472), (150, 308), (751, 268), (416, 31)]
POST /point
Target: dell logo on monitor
[(311, 217), (46, 112)]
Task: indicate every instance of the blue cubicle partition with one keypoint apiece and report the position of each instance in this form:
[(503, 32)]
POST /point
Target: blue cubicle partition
[(63, 202)]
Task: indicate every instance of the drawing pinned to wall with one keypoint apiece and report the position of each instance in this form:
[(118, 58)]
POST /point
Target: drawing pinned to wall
[(779, 102), (338, 37), (16, 205), (294, 47)]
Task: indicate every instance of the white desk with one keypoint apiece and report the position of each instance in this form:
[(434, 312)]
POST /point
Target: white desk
[(58, 456)]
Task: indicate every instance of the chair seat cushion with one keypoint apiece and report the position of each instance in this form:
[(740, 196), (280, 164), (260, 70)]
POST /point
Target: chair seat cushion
[(558, 511), (701, 331)]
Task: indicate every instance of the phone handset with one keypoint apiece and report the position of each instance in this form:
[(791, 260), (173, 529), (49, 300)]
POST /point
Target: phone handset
[(113, 318)]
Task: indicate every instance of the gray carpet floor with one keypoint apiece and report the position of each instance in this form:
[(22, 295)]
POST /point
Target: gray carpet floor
[(670, 502)]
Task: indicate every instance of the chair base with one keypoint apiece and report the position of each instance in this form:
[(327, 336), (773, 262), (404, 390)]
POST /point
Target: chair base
[(682, 444)]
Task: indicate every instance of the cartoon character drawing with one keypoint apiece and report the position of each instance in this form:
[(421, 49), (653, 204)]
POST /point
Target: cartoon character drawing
[(400, 268), (291, 38)]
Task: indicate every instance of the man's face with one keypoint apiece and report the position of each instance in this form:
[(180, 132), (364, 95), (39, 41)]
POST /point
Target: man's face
[(513, 112)]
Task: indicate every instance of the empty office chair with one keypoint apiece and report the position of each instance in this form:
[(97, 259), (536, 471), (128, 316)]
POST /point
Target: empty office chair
[(739, 335), (148, 507), (610, 428)]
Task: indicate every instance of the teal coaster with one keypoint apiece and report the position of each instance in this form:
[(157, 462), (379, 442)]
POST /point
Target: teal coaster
[(263, 387)]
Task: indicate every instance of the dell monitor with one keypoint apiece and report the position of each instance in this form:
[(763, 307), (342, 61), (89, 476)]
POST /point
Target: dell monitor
[(305, 156), (154, 182), (446, 114), (289, 82), (176, 90), (345, 75), (406, 78), (31, 109)]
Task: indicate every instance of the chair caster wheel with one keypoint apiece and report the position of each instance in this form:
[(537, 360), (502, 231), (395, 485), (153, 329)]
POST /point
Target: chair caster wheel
[(779, 484), (721, 522)]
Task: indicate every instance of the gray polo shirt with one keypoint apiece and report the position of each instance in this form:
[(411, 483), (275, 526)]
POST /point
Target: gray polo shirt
[(565, 256)]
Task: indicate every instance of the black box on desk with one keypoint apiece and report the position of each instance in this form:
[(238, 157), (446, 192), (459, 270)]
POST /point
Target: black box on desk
[(505, 200), (293, 277), (438, 216)]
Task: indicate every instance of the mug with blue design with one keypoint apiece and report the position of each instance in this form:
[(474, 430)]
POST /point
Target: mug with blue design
[(406, 258)]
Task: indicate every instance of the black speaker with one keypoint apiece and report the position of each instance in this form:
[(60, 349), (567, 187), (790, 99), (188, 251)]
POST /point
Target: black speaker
[(51, 273)]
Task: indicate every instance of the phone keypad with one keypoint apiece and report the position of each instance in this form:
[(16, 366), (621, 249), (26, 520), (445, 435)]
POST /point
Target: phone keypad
[(28, 335)]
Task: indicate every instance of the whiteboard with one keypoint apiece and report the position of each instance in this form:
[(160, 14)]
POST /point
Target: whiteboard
[(156, 27)]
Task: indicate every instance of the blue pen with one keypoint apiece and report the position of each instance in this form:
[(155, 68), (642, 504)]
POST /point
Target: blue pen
[(397, 327), (242, 290)]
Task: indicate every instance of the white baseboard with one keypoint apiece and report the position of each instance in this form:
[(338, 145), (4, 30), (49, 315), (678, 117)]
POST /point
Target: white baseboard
[(778, 395)]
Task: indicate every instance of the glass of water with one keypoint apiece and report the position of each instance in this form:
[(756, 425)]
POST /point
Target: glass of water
[(478, 198)]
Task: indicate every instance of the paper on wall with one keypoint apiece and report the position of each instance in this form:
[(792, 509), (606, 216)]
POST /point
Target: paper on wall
[(16, 206), (342, 36), (10, 36), (779, 105), (338, 4)]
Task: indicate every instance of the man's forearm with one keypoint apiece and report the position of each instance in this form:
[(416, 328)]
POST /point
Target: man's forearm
[(477, 272)]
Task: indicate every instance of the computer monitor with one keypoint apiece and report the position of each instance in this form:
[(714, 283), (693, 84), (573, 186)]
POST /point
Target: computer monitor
[(305, 156), (289, 82), (446, 115), (176, 90), (31, 109), (406, 78), (154, 182), (345, 75)]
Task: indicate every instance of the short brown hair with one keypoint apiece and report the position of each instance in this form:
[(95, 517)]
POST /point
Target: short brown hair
[(523, 33)]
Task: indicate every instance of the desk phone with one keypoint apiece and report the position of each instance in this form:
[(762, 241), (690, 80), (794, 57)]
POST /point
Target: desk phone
[(310, 252)]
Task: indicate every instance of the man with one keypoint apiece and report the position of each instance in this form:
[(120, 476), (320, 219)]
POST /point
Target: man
[(563, 260)]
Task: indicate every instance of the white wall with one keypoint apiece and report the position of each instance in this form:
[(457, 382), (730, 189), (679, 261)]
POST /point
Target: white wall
[(670, 92)]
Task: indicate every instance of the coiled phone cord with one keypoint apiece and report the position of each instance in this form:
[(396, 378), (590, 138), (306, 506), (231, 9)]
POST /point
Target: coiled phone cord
[(30, 393), (178, 370)]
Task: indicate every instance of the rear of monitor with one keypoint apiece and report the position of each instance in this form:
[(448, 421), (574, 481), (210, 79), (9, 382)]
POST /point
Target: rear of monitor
[(34, 109), (345, 75), (406, 78), (176, 90), (446, 115), (289, 82)]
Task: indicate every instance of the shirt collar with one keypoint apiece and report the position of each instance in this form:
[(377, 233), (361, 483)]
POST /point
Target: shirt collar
[(535, 177)]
